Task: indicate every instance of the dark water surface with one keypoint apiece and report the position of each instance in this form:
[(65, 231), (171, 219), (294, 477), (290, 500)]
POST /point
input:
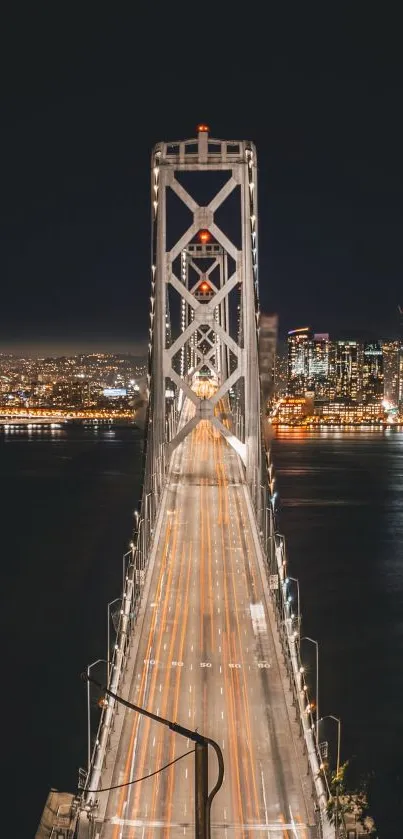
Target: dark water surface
[(66, 516), (67, 506), (341, 509)]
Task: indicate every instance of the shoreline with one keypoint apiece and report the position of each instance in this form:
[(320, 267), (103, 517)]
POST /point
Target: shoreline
[(34, 424), (345, 428)]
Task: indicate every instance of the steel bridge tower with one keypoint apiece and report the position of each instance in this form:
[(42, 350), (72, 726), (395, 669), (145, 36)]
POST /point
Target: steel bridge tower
[(204, 303)]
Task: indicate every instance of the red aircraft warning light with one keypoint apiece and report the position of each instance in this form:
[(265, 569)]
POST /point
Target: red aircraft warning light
[(202, 127), (204, 236), (205, 286)]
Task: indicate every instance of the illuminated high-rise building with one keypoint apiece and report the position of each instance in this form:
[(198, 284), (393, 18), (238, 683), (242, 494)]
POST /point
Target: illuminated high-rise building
[(372, 373), (298, 361), (391, 351), (318, 364), (346, 362)]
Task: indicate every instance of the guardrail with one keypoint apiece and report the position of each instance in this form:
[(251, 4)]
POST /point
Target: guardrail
[(288, 625), (133, 584), (128, 615)]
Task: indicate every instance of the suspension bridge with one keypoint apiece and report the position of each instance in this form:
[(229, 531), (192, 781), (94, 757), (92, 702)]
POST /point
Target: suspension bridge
[(208, 635)]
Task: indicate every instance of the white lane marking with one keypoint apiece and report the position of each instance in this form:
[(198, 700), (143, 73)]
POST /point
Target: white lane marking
[(221, 690), (264, 802), (154, 742), (258, 618)]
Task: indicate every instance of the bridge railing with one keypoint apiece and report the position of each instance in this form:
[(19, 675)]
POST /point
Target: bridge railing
[(289, 633), (133, 583)]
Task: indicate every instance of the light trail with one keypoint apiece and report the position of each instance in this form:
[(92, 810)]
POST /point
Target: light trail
[(198, 630)]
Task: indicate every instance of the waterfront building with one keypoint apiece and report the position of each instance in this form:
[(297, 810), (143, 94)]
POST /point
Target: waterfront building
[(292, 410), (347, 412), (391, 352), (298, 361), (318, 364), (372, 373), (346, 362)]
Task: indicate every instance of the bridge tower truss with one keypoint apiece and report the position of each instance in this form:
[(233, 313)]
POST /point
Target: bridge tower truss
[(204, 301)]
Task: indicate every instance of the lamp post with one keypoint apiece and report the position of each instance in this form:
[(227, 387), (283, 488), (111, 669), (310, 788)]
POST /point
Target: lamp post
[(336, 812), (294, 580), (141, 542), (312, 641), (336, 719), (203, 798), (108, 636), (89, 667), (124, 564)]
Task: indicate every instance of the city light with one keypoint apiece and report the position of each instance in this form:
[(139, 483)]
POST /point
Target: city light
[(81, 387), (337, 383)]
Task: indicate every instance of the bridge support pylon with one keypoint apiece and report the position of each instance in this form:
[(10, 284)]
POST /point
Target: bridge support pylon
[(204, 315)]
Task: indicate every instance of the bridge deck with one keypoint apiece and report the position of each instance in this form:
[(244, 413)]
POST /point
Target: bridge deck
[(206, 657)]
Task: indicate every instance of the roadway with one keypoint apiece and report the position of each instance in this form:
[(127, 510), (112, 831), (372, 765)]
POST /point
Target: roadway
[(206, 657)]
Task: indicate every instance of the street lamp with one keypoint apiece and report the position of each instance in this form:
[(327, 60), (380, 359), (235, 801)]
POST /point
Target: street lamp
[(294, 580), (337, 780), (125, 563), (203, 798), (336, 719), (89, 667), (108, 636), (312, 641)]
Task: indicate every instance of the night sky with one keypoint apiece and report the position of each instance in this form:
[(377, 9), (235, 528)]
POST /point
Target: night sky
[(83, 100)]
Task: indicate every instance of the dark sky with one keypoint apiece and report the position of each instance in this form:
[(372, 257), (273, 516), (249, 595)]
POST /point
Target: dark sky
[(84, 97)]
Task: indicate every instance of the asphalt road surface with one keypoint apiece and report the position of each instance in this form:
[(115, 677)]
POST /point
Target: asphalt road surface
[(206, 658)]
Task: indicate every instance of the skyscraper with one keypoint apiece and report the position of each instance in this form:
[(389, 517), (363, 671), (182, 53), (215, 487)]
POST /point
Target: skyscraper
[(298, 361), (318, 364), (347, 361), (372, 373), (391, 351)]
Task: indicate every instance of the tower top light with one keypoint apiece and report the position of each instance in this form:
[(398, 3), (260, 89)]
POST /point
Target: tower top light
[(203, 128)]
